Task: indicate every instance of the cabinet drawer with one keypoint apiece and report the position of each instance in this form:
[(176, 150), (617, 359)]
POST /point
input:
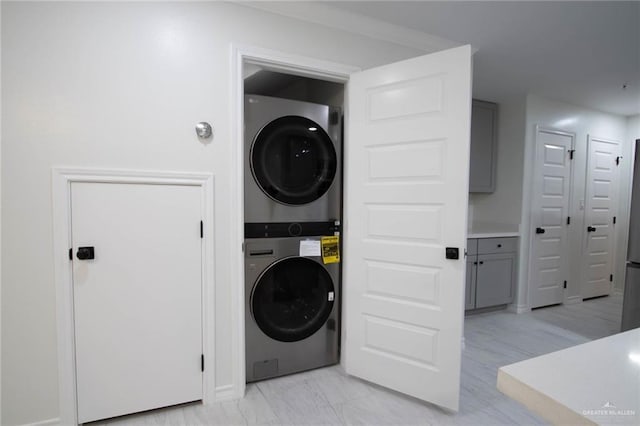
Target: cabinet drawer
[(472, 246), (497, 245)]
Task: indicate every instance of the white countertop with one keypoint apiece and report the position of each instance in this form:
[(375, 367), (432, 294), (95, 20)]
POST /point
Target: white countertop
[(492, 230), (593, 383)]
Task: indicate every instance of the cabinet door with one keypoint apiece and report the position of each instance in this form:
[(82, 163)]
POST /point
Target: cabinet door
[(494, 279), (482, 166), (470, 283)]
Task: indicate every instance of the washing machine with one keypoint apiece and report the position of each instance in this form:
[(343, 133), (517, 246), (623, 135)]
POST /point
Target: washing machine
[(293, 161), (292, 307)]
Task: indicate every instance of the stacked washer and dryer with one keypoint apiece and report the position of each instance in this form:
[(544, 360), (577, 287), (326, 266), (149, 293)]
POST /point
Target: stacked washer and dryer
[(293, 194)]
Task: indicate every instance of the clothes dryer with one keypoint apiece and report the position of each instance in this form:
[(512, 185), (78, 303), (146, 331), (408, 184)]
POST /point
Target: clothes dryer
[(292, 308), (293, 161)]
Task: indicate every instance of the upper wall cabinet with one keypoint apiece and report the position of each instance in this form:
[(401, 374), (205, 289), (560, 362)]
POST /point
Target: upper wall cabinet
[(484, 129)]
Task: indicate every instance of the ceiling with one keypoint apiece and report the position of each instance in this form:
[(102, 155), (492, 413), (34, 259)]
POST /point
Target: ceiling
[(578, 52)]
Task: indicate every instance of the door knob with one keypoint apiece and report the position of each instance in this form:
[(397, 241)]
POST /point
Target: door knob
[(86, 253), (591, 229), (452, 253), (540, 231)]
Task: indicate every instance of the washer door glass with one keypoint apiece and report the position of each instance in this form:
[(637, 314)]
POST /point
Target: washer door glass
[(293, 160), (292, 299)]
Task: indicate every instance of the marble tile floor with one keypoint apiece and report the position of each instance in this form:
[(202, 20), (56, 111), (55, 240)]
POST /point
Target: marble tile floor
[(328, 396)]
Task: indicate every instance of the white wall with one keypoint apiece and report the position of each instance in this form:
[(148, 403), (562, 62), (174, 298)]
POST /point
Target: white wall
[(504, 205), (583, 122), (120, 85), (633, 127)]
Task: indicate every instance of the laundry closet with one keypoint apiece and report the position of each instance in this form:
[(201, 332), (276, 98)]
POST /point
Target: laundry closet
[(390, 311), (293, 137)]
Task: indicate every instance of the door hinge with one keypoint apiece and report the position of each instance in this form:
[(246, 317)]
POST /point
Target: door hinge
[(71, 254), (571, 151), (568, 220), (611, 278), (201, 229), (618, 160), (202, 362), (565, 284), (614, 220)]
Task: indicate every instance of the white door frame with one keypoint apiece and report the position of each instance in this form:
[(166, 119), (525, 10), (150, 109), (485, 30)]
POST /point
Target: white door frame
[(62, 178), (533, 188), (285, 63)]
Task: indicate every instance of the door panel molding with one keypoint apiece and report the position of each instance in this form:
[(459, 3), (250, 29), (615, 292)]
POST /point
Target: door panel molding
[(602, 182), (551, 217), (62, 178), (403, 218)]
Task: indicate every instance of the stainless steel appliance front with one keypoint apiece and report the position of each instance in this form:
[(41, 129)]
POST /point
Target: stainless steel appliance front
[(292, 306), (631, 298), (292, 161)]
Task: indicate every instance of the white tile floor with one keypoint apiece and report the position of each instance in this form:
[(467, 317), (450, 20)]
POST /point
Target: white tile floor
[(329, 397)]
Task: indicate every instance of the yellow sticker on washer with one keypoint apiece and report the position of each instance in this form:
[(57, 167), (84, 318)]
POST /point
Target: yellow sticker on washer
[(330, 249)]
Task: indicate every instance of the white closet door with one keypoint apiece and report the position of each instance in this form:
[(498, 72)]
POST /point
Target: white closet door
[(406, 201), (549, 259), (600, 209), (137, 304)]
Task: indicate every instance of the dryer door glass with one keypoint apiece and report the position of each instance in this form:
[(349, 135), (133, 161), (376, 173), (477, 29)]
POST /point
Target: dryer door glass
[(293, 160), (292, 299)]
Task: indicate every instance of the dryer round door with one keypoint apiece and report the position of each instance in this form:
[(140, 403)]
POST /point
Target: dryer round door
[(292, 299), (293, 160)]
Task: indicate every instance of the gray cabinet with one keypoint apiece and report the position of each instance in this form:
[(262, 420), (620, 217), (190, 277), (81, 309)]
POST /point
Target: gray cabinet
[(494, 279), (483, 154), (491, 272), (470, 284)]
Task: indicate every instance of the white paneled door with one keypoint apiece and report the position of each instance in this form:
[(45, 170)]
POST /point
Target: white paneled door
[(600, 209), (408, 127), (137, 297), (549, 259)]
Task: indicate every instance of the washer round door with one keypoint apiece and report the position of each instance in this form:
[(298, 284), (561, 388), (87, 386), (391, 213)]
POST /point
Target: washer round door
[(293, 160), (292, 299)]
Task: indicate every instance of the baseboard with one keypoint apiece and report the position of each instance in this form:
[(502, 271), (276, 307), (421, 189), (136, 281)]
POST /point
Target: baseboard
[(518, 309), (477, 311), (573, 300), (55, 421), (225, 393)]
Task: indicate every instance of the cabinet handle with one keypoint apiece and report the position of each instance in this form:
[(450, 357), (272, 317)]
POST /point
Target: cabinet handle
[(499, 245), (475, 263), (482, 262)]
